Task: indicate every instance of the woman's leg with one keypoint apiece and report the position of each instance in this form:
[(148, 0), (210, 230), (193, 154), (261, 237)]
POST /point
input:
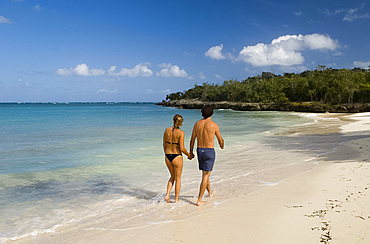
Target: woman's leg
[(177, 163), (171, 180)]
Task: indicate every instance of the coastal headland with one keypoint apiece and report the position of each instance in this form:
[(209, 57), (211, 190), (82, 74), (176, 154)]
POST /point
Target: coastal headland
[(314, 107)]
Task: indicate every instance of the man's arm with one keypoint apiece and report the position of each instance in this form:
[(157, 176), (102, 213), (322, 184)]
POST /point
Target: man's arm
[(219, 137), (192, 141)]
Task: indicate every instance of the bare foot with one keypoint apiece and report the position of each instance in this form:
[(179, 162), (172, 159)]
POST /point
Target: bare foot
[(212, 193), (167, 199), (200, 203)]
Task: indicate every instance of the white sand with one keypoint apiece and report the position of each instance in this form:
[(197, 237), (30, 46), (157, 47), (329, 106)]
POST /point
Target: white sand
[(329, 204), (362, 123)]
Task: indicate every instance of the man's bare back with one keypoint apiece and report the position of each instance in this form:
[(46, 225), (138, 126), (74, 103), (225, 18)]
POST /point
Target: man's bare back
[(204, 131)]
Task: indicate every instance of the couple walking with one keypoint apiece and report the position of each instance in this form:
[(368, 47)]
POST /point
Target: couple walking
[(173, 145)]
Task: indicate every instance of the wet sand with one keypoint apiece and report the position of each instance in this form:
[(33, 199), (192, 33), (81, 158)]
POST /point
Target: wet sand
[(329, 204)]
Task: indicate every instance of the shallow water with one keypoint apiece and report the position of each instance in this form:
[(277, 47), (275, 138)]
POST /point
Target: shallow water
[(63, 165)]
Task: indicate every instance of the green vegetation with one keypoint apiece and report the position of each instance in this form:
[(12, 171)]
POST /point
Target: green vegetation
[(323, 84)]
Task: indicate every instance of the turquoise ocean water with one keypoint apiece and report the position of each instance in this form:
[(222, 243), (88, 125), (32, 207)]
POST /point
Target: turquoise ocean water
[(65, 165)]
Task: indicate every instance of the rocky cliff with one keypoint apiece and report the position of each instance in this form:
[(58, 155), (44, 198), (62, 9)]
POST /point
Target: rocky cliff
[(314, 107)]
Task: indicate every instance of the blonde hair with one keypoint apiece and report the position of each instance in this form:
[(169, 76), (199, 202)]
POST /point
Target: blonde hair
[(177, 120)]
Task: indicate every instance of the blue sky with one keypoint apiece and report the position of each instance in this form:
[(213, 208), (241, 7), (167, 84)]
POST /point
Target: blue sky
[(112, 50)]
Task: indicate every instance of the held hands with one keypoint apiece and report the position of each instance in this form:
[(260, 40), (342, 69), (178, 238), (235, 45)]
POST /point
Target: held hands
[(191, 156)]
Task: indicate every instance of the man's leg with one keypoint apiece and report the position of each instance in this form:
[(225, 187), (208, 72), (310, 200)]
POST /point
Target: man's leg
[(203, 185), (211, 193)]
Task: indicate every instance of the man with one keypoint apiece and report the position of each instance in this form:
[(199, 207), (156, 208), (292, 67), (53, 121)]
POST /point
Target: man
[(204, 131)]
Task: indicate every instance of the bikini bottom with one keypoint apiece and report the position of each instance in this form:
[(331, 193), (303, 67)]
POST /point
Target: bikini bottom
[(171, 157)]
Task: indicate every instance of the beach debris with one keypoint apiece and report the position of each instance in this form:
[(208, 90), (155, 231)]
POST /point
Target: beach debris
[(294, 206), (335, 200), (326, 226), (325, 237), (333, 204), (347, 198), (318, 213), (360, 217)]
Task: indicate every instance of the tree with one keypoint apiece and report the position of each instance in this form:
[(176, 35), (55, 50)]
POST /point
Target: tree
[(322, 84)]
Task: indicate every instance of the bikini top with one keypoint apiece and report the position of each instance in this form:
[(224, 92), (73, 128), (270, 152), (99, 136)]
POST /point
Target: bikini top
[(173, 143)]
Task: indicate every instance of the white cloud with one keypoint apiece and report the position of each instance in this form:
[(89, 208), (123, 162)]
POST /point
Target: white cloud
[(165, 91), (188, 54), (37, 8), (110, 79), (112, 69), (106, 91), (293, 69), (4, 20), (328, 12), (353, 14), (81, 69), (361, 64), (318, 41), (169, 70), (270, 54), (202, 76), (218, 76), (298, 13), (350, 15), (215, 52), (138, 70), (286, 50), (84, 70)]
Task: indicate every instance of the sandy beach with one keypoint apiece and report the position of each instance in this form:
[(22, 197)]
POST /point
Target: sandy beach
[(328, 204)]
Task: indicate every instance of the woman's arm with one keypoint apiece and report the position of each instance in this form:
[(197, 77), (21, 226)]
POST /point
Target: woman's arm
[(182, 147), (164, 140)]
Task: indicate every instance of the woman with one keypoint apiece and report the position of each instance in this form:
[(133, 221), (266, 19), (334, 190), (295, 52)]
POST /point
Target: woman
[(173, 146)]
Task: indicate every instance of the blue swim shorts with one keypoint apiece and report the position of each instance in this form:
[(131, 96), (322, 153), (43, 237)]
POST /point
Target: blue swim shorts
[(206, 158)]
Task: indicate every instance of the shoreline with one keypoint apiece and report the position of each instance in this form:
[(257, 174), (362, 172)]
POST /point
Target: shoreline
[(312, 107), (304, 208)]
